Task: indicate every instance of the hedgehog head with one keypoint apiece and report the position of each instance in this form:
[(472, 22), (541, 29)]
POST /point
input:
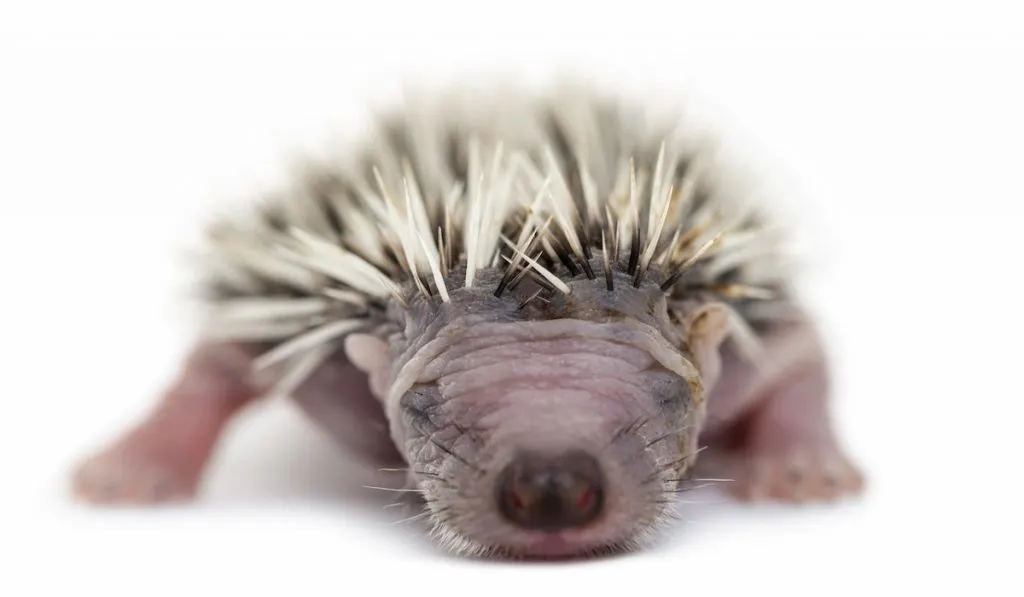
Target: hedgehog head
[(548, 428)]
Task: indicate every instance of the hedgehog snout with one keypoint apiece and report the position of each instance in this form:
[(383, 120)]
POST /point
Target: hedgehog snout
[(551, 492)]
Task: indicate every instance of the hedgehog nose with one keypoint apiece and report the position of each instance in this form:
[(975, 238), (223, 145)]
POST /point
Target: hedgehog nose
[(551, 493)]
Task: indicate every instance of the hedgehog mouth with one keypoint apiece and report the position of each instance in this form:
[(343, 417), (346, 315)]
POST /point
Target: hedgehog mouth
[(557, 547), (540, 546), (568, 545)]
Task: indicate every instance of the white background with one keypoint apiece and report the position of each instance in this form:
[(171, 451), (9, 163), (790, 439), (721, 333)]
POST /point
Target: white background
[(897, 127)]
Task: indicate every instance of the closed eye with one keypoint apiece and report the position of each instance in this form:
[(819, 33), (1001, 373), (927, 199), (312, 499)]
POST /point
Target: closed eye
[(418, 409), (670, 392)]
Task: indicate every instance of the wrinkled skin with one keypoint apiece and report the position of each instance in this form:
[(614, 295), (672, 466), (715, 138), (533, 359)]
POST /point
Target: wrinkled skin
[(479, 396)]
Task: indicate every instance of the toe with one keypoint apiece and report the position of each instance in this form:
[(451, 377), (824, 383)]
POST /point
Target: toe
[(109, 479), (797, 477)]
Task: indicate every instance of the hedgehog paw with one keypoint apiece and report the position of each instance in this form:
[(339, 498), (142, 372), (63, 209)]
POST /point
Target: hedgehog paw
[(797, 475), (122, 476)]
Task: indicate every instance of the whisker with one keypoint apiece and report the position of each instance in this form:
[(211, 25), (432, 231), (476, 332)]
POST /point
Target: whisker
[(667, 435), (685, 484), (414, 517), (630, 428), (452, 453), (394, 489), (668, 466), (694, 488)]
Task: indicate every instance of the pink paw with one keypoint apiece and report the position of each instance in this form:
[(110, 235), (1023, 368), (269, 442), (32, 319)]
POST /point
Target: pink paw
[(119, 477), (799, 475)]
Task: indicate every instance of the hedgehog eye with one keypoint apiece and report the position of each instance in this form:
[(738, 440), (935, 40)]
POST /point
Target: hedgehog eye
[(667, 402), (418, 404), (671, 392), (417, 419), (673, 403)]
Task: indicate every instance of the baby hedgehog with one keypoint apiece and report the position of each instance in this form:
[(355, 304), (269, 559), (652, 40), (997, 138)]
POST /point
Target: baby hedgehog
[(542, 306)]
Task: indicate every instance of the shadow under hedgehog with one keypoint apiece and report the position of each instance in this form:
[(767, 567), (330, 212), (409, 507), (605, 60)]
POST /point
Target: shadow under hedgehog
[(543, 306)]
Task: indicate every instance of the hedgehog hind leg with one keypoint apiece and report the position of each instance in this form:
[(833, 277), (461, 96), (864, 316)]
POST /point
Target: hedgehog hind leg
[(162, 457), (771, 432)]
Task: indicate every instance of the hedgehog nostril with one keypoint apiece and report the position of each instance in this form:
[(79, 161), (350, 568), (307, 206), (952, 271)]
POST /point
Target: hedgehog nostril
[(551, 492)]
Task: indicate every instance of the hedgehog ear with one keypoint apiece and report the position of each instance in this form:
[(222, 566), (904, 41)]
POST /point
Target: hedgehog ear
[(370, 354), (706, 329)]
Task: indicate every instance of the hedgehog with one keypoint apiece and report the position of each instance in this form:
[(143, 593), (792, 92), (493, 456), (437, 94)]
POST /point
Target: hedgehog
[(539, 308)]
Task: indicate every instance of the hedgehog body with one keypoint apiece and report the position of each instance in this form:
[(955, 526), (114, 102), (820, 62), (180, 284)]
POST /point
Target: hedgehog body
[(526, 300)]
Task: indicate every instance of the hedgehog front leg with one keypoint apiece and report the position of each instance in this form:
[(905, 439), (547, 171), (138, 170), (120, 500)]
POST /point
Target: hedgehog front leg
[(343, 397), (162, 457), (771, 425)]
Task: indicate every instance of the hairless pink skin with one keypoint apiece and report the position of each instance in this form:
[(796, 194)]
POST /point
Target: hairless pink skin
[(162, 458), (770, 427)]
